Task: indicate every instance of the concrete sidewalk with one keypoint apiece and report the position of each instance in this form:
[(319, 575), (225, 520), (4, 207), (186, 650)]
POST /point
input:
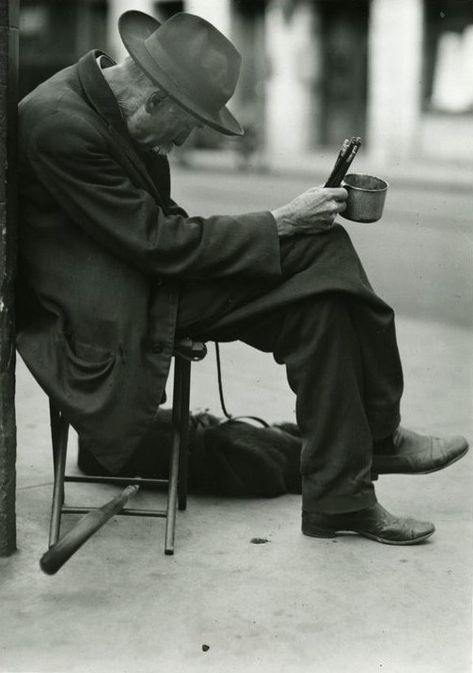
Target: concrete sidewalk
[(423, 173), (292, 605)]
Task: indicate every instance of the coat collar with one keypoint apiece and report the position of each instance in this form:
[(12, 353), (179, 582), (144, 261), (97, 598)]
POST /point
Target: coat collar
[(101, 98), (98, 92)]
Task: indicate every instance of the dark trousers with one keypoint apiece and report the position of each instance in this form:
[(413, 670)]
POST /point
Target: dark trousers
[(337, 339)]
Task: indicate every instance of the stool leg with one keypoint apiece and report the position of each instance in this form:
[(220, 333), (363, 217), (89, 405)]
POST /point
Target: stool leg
[(59, 436), (55, 422), (174, 460), (185, 381)]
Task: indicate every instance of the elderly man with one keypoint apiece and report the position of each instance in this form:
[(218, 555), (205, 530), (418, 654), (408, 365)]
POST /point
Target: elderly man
[(112, 270)]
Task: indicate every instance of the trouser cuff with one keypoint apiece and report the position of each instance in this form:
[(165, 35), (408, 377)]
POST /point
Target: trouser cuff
[(335, 503)]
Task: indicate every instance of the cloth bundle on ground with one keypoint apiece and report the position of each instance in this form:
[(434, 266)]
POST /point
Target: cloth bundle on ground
[(232, 458)]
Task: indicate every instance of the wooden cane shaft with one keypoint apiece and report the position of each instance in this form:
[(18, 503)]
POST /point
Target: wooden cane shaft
[(59, 553)]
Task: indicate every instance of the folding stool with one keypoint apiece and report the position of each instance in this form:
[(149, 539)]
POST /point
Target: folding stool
[(185, 352)]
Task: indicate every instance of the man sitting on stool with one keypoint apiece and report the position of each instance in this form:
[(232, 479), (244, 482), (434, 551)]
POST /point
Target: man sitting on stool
[(113, 270)]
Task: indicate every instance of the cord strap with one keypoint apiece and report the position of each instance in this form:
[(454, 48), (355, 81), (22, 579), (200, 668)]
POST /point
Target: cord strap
[(227, 415)]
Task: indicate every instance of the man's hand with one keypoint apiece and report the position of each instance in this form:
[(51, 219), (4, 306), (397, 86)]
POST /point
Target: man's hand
[(313, 212)]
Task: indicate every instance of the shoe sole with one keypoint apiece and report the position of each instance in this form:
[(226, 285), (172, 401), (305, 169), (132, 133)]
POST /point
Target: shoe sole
[(320, 533), (375, 474)]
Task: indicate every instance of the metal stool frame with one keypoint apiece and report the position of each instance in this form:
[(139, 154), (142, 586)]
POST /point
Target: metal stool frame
[(185, 352)]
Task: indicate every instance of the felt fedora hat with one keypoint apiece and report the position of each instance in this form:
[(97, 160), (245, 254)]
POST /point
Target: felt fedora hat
[(190, 60)]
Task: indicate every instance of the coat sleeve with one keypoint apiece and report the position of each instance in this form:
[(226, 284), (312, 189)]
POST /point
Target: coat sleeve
[(72, 159)]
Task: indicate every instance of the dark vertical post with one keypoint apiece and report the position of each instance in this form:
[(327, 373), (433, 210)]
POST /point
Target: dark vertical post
[(9, 37)]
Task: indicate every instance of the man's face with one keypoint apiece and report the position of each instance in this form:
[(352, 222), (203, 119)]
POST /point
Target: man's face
[(161, 123)]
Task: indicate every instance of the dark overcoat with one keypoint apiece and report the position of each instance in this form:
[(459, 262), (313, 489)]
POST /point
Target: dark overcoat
[(102, 250)]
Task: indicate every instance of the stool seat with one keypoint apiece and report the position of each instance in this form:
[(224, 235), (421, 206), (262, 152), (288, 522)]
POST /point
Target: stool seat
[(190, 350), (185, 352)]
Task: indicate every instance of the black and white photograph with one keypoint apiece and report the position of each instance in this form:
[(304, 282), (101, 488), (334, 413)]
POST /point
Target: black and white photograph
[(236, 344)]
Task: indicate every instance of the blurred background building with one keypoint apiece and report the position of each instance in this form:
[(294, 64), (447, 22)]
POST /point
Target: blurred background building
[(399, 73)]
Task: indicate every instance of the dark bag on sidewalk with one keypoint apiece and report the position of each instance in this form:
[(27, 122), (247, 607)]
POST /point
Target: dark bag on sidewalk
[(232, 458)]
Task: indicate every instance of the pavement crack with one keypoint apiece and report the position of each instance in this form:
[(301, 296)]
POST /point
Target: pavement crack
[(27, 488)]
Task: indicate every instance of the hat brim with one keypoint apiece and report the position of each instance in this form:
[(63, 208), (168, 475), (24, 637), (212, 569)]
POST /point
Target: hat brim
[(134, 27)]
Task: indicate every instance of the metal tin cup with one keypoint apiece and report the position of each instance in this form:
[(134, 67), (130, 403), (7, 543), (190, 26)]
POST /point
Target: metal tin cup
[(366, 197)]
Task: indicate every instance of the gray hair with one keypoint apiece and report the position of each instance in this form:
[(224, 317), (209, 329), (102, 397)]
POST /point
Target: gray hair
[(138, 88)]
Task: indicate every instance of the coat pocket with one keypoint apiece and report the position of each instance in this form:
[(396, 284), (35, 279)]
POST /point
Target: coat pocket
[(88, 365)]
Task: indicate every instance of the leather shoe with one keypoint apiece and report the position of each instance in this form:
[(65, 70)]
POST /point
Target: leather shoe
[(374, 523), (408, 452)]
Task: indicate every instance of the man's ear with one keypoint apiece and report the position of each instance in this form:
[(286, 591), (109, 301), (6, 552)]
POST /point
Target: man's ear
[(153, 101)]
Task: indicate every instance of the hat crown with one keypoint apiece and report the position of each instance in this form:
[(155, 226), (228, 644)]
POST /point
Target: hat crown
[(197, 56)]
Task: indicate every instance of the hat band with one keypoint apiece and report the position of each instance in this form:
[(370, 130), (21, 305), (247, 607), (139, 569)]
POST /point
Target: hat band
[(208, 98)]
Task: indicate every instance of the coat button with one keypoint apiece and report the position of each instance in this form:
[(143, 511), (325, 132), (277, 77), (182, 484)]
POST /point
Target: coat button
[(159, 282), (157, 348)]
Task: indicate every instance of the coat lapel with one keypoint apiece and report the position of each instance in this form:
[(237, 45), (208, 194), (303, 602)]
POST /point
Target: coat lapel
[(102, 100)]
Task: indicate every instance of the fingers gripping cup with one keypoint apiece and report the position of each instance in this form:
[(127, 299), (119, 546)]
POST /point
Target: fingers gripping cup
[(366, 197)]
